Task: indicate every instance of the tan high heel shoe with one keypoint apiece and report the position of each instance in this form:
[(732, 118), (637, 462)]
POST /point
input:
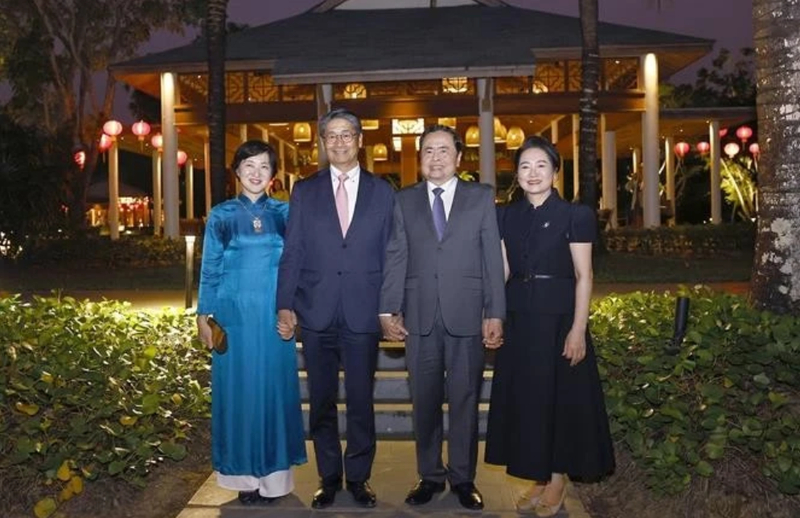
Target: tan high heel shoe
[(545, 509), (527, 501)]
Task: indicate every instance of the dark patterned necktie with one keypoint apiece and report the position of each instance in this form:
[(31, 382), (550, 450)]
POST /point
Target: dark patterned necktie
[(439, 219)]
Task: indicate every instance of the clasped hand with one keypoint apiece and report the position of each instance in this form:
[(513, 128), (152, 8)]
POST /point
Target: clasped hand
[(287, 321)]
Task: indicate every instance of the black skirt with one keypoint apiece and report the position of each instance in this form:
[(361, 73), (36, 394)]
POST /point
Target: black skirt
[(546, 417)]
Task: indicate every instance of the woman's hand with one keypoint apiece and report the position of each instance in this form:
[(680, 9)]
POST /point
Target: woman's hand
[(575, 347), (287, 320), (204, 331)]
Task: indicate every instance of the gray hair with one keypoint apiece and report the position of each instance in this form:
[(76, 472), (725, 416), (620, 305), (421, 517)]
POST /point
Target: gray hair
[(339, 113)]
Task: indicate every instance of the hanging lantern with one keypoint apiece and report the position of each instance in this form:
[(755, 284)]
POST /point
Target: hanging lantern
[(473, 137), (731, 149), (723, 132), (515, 137), (380, 153), (681, 148), (80, 158), (744, 133), (112, 128), (182, 157), (754, 149), (447, 121), (141, 129), (500, 132), (302, 132), (157, 141), (703, 147), (105, 142)]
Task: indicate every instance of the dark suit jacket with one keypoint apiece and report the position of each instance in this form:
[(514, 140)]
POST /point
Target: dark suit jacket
[(463, 272), (319, 269)]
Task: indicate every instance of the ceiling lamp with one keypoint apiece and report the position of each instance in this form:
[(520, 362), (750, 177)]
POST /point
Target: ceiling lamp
[(302, 132), (450, 122), (515, 137), (370, 124), (455, 85), (380, 153), (473, 137), (355, 91), (500, 132), (408, 126)]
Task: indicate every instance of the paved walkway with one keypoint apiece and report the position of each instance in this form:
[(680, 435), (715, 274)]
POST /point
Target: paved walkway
[(393, 474)]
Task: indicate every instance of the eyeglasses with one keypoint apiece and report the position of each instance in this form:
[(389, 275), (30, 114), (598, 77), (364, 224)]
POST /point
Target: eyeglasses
[(346, 138)]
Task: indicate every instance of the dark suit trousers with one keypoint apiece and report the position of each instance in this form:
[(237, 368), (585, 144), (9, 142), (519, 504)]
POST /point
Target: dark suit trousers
[(435, 361), (358, 353)]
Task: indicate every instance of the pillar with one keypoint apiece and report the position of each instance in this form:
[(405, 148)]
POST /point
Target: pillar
[(715, 162), (576, 152), (207, 173), (486, 126), (408, 160), (651, 205), (324, 99), (559, 179), (113, 189), (169, 159), (609, 165), (189, 189), (669, 167)]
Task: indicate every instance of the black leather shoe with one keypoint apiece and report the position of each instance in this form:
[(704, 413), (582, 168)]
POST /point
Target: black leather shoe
[(253, 498), (468, 496), (423, 492), (324, 496), (362, 493)]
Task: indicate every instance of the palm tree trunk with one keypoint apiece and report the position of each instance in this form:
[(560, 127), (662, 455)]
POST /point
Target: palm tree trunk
[(590, 79), (775, 284), (215, 38)]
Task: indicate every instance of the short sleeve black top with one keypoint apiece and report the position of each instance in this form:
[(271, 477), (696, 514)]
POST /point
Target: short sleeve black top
[(537, 243)]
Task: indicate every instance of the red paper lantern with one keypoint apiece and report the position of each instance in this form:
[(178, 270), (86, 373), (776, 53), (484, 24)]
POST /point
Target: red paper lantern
[(112, 128), (731, 149), (157, 141), (723, 132), (182, 157), (744, 133), (754, 148), (703, 147), (681, 148), (141, 129), (105, 142)]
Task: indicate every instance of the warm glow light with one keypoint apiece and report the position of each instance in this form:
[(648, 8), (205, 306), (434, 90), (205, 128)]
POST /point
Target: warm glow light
[(370, 124), (182, 157), (141, 129), (447, 121), (380, 153), (302, 132), (744, 133), (703, 147), (681, 148), (731, 149), (755, 150), (473, 137), (105, 142), (157, 141), (112, 128), (315, 156), (514, 137), (500, 131), (408, 126), (397, 144)]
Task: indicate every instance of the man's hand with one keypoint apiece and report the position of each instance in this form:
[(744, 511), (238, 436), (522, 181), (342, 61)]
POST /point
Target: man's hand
[(393, 328), (287, 321), (492, 333)]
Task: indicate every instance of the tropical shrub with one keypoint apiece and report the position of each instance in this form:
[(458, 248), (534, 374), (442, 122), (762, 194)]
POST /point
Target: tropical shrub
[(93, 390), (96, 251), (683, 240), (730, 389)]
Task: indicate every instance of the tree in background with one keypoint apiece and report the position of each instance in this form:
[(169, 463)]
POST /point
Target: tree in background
[(56, 48), (726, 83), (215, 30), (775, 283)]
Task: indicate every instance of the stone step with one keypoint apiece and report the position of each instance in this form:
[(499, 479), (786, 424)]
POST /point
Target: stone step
[(391, 387), (393, 420)]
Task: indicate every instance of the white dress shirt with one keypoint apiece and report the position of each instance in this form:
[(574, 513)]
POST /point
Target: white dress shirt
[(350, 185), (447, 196)]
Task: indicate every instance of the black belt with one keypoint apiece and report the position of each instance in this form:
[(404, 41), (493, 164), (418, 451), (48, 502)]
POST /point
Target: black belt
[(527, 277)]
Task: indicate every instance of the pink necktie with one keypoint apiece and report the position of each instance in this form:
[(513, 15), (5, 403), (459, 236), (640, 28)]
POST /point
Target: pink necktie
[(341, 204)]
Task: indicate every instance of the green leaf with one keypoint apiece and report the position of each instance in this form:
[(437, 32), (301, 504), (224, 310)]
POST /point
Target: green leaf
[(116, 467), (704, 469), (761, 379), (174, 451), (150, 404)]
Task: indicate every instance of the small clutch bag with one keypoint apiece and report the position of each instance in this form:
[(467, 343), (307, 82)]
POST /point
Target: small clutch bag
[(219, 339)]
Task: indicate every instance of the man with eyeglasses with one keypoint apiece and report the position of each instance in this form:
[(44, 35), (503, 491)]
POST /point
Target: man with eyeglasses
[(329, 282)]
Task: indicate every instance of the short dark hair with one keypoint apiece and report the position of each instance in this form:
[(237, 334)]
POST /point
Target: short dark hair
[(252, 148), (338, 113), (433, 128), (537, 142)]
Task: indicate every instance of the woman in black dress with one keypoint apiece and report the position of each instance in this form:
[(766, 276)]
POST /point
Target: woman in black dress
[(547, 418)]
